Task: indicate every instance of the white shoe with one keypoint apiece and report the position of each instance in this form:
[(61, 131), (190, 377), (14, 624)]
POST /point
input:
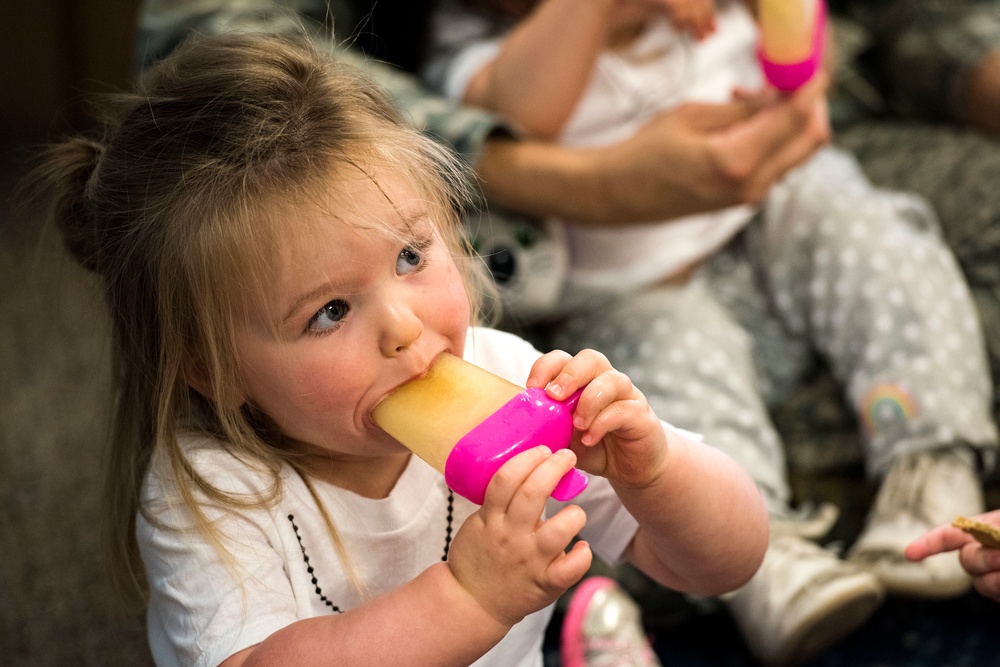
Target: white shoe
[(920, 492), (802, 600)]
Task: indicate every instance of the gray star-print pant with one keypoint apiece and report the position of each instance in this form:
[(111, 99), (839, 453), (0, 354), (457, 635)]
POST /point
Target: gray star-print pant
[(830, 268)]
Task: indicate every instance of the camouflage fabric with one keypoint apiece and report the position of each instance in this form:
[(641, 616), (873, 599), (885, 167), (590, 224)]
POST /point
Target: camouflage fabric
[(163, 24), (917, 53)]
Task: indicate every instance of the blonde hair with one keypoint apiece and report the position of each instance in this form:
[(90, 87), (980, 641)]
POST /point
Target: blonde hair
[(175, 206)]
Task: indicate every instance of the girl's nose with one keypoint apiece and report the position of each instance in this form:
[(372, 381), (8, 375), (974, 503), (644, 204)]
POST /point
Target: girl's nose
[(401, 327)]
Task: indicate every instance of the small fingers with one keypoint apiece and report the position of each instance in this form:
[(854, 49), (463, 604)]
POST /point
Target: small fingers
[(568, 568), (603, 405), (528, 502), (558, 531), (704, 19), (547, 367), (522, 485), (576, 373), (508, 480)]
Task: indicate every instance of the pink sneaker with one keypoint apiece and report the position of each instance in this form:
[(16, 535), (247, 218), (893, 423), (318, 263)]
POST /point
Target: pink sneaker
[(603, 628)]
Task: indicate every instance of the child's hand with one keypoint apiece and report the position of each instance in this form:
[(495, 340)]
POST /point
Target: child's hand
[(506, 556), (619, 437), (982, 563)]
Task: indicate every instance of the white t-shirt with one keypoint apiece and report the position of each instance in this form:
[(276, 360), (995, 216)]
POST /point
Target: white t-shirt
[(200, 614), (659, 70)]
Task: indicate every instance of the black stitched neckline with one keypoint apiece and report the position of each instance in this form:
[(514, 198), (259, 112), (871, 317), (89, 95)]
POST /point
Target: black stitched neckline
[(315, 580)]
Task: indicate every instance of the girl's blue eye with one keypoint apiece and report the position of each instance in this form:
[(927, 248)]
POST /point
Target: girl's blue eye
[(329, 316), (409, 259)]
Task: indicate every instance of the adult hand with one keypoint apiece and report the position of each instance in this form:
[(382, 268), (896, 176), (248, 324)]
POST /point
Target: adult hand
[(980, 105), (696, 158), (982, 563)]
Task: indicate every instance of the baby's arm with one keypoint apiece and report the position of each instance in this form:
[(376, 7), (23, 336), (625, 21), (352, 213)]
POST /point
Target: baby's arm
[(702, 522), (505, 562), (982, 563), (544, 65)]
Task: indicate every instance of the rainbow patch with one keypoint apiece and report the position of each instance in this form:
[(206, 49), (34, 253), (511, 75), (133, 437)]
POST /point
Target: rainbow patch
[(885, 407)]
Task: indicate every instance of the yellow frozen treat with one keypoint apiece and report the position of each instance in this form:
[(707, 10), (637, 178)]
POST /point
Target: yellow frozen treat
[(432, 413), (466, 422), (786, 28)]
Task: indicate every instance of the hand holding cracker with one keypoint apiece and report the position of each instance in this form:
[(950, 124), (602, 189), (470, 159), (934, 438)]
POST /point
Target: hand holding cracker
[(988, 535), (977, 541)]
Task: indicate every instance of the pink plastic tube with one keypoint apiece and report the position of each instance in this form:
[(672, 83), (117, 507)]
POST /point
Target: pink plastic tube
[(528, 420)]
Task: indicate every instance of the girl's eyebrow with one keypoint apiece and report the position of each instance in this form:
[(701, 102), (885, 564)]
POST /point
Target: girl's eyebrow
[(409, 223), (302, 299)]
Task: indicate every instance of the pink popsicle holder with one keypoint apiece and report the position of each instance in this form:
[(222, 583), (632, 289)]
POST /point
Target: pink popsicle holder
[(791, 76), (528, 420)]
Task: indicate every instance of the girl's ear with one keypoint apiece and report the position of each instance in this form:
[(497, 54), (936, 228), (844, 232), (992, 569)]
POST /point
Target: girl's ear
[(196, 376)]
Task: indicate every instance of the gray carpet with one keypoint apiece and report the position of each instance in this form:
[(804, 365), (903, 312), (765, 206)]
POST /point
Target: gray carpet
[(55, 605)]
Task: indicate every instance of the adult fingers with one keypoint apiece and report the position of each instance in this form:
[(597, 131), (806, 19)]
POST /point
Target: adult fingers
[(935, 541), (790, 129), (979, 560), (988, 585), (714, 117), (801, 147)]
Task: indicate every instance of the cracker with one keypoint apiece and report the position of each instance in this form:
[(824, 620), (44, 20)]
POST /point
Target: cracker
[(988, 535)]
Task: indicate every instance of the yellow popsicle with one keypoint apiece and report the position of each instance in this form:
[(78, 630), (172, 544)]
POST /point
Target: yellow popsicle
[(431, 414), (786, 28)]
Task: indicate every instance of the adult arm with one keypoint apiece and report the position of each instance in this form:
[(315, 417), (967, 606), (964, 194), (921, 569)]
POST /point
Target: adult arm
[(979, 106), (696, 158)]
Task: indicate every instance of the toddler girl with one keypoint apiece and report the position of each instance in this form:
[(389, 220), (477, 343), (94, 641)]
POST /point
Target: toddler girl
[(280, 252)]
